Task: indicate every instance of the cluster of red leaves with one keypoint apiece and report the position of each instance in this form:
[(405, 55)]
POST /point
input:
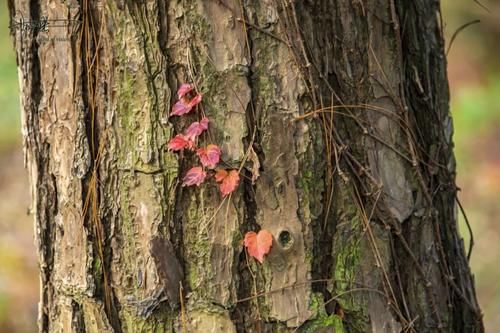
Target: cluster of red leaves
[(210, 155), (259, 244)]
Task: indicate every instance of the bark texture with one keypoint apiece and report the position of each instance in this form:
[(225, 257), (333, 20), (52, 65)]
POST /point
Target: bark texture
[(338, 109)]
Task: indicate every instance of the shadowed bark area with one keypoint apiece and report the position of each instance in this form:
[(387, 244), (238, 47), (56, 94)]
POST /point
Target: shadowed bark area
[(336, 113)]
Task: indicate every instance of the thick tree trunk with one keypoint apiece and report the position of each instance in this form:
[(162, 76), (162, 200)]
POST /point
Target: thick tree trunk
[(337, 109)]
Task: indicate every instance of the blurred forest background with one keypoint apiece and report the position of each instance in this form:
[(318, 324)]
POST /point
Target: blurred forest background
[(474, 74)]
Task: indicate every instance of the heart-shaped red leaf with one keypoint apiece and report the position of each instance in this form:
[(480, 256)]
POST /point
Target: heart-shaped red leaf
[(258, 245), (209, 156), (195, 176)]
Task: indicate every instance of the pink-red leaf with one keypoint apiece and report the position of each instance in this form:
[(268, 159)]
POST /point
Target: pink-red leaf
[(209, 156), (195, 129), (184, 89), (258, 245), (184, 105), (195, 101), (180, 108), (204, 123), (195, 176), (180, 142), (229, 180)]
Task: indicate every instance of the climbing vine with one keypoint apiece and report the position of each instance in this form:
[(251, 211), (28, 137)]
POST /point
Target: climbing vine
[(209, 155), (257, 245)]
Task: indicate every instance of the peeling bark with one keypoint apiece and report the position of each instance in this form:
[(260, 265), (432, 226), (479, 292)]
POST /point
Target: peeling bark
[(337, 112)]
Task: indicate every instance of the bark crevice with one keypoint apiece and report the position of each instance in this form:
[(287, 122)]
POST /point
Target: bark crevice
[(99, 230)]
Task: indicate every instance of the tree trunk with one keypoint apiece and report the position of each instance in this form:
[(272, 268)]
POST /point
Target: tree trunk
[(337, 113)]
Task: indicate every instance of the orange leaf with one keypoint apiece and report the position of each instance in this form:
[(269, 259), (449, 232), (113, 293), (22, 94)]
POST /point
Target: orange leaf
[(220, 174), (229, 181), (259, 244)]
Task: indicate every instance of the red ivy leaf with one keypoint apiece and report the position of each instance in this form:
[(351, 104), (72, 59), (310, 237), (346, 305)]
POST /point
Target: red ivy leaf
[(209, 156), (204, 122), (220, 174), (184, 105), (195, 176), (195, 129), (184, 89), (259, 244), (180, 142), (195, 101), (228, 180), (180, 108)]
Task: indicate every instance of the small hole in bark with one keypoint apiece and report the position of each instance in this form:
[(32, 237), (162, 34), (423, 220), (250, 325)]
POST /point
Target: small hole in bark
[(285, 239)]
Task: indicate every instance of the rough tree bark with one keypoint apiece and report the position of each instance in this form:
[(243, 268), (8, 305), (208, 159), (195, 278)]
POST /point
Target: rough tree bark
[(339, 107)]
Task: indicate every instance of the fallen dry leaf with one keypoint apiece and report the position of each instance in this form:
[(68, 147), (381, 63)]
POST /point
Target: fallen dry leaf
[(252, 157)]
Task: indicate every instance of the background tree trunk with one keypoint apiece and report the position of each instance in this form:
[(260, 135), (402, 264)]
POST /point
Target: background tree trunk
[(340, 108)]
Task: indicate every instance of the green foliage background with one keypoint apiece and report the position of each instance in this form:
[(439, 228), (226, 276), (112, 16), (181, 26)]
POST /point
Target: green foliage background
[(9, 100)]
